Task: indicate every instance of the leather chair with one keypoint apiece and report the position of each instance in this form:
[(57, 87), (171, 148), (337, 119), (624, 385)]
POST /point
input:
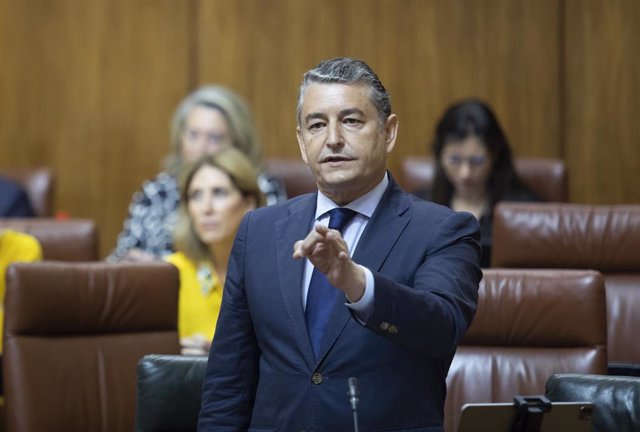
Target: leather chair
[(169, 393), (61, 240), (294, 174), (603, 238), (530, 324), (546, 177), (616, 399), (74, 333), (528, 327), (38, 183)]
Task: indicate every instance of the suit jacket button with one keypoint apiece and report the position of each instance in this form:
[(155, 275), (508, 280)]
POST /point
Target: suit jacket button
[(316, 378), (384, 326)]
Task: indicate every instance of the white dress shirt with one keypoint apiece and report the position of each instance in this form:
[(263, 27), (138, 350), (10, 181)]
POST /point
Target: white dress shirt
[(364, 206)]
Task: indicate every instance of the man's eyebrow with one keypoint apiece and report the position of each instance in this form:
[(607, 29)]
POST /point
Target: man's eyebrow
[(350, 111), (315, 115), (343, 113)]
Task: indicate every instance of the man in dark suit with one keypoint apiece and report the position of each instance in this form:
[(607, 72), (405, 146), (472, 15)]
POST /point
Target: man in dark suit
[(384, 296), (14, 201)]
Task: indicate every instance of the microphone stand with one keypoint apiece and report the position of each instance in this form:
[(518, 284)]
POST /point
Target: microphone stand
[(353, 400)]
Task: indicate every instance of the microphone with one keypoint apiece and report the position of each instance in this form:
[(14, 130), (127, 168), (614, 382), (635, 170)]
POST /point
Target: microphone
[(353, 399), (353, 392)]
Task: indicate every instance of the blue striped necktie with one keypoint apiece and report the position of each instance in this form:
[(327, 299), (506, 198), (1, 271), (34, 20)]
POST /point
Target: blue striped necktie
[(321, 294)]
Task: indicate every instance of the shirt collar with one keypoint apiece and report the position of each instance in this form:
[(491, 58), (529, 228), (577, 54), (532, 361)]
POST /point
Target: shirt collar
[(365, 205)]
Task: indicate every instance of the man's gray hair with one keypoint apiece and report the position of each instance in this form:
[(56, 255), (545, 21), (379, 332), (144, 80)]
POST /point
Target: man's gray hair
[(344, 70)]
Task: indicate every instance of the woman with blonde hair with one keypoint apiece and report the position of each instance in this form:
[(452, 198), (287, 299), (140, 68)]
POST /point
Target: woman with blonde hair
[(216, 192), (208, 120)]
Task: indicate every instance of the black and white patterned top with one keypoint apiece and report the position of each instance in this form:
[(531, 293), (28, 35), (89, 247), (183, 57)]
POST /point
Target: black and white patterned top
[(152, 214)]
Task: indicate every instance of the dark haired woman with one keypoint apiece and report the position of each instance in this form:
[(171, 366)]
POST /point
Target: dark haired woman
[(474, 167)]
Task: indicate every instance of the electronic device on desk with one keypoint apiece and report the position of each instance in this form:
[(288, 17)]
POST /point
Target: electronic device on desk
[(527, 414)]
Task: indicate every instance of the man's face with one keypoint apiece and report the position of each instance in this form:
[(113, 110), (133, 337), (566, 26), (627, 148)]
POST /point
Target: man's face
[(342, 140)]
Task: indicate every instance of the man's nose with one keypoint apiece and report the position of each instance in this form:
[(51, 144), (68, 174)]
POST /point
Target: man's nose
[(334, 135)]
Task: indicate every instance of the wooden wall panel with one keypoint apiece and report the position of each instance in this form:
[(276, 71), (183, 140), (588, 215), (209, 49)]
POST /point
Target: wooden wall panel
[(428, 53), (602, 93), (88, 89)]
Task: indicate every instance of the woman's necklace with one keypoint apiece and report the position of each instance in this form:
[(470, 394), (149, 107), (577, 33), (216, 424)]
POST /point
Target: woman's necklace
[(206, 279)]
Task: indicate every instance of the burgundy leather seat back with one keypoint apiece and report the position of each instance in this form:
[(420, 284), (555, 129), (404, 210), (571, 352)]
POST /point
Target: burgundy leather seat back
[(294, 173), (603, 238), (529, 325), (74, 333), (546, 177), (38, 183), (61, 240)]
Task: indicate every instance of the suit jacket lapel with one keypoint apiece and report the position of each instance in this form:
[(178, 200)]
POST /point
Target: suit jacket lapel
[(295, 226), (382, 231)]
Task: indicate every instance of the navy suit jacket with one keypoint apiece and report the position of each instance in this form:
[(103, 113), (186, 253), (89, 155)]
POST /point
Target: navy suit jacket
[(14, 201), (262, 374)]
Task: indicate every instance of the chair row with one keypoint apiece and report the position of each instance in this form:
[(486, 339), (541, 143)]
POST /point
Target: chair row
[(526, 235), (91, 322), (571, 236), (61, 240), (525, 316), (529, 337), (529, 326)]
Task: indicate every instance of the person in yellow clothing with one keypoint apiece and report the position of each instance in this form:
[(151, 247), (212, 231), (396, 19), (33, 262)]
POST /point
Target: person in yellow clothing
[(14, 247), (215, 193)]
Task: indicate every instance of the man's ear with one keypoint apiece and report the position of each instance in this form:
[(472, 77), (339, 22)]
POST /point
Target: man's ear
[(391, 132), (303, 149)]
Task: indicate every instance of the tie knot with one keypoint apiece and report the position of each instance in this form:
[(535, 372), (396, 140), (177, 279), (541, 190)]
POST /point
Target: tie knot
[(339, 217)]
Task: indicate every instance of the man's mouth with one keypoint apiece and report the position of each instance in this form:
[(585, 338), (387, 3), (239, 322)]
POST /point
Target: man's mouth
[(335, 158)]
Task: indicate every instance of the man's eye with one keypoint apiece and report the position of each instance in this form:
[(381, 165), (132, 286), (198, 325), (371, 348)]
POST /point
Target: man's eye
[(316, 126), (352, 121)]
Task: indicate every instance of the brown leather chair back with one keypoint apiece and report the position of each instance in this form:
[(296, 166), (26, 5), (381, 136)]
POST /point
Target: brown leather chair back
[(604, 238), (38, 183), (547, 178), (294, 174), (529, 325), (61, 240), (74, 333)]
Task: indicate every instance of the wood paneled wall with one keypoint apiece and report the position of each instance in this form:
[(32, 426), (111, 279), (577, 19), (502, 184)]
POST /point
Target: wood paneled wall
[(602, 100), (88, 88)]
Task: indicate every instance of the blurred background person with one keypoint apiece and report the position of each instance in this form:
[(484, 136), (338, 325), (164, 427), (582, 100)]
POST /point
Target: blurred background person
[(14, 247), (208, 120), (215, 193), (474, 166), (14, 201)]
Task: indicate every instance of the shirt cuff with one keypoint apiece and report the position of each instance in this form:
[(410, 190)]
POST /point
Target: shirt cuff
[(364, 307)]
